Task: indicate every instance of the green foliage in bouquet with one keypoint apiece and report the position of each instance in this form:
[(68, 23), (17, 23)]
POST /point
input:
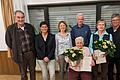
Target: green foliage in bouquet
[(105, 46), (74, 54)]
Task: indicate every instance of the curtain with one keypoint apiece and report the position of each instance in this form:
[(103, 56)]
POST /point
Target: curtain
[(8, 15)]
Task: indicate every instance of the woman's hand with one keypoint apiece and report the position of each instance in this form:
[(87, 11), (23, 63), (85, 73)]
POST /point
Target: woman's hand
[(46, 59), (104, 55), (58, 60), (92, 63), (94, 56)]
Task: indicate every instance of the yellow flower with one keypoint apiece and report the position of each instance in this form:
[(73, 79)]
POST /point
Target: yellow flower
[(104, 43), (104, 46)]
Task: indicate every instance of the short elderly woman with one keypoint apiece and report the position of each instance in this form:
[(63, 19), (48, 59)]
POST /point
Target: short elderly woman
[(75, 71)]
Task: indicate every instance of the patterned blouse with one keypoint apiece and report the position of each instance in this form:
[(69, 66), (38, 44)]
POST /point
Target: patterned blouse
[(62, 43)]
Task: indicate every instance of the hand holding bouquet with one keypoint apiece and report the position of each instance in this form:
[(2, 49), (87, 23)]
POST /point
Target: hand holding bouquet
[(105, 46), (74, 54)]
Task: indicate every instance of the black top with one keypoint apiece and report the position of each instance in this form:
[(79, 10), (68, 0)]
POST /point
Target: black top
[(13, 41), (116, 40), (45, 48)]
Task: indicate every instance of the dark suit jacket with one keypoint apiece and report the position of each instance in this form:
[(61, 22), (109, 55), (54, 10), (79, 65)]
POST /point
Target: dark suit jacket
[(116, 40), (45, 49), (13, 41)]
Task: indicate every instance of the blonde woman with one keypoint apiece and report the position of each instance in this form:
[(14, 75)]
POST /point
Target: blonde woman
[(63, 41)]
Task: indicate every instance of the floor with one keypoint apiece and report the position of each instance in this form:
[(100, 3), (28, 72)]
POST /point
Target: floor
[(38, 77), (17, 77)]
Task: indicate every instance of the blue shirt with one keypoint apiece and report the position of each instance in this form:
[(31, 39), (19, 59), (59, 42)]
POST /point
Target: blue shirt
[(100, 38), (83, 31)]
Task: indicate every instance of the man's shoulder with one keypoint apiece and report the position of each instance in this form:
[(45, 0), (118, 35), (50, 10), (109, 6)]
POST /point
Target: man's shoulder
[(12, 26), (37, 36), (52, 34), (74, 27), (85, 25), (109, 29), (28, 24)]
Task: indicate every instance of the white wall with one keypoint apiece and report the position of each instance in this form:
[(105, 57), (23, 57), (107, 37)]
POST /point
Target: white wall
[(3, 46), (35, 2), (21, 5)]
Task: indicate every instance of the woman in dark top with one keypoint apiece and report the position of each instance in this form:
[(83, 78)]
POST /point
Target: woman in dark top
[(45, 47)]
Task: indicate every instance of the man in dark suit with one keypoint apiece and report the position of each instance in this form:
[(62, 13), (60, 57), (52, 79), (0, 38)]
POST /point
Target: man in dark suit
[(115, 31), (20, 39)]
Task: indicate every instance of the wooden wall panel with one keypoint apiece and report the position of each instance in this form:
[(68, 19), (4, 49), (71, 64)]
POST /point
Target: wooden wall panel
[(7, 66)]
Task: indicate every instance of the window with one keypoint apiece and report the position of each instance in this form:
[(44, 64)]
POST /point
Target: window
[(68, 14), (36, 16), (107, 11)]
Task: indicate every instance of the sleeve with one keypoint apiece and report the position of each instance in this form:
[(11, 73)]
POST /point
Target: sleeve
[(53, 44), (70, 41), (91, 44), (88, 52), (33, 44), (111, 38), (88, 36), (56, 49), (37, 47), (8, 38), (72, 37)]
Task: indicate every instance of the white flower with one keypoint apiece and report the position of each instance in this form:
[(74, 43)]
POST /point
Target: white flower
[(66, 51), (114, 46), (109, 42), (71, 51), (73, 55), (111, 47), (95, 42)]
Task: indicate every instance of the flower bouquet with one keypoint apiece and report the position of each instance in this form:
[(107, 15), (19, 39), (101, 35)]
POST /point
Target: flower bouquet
[(74, 54), (106, 46)]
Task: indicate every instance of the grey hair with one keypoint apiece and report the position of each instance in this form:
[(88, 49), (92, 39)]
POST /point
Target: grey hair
[(79, 14), (115, 15), (79, 39), (19, 12)]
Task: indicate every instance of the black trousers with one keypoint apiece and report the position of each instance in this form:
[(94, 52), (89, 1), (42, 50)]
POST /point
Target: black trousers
[(29, 62), (111, 63), (104, 71)]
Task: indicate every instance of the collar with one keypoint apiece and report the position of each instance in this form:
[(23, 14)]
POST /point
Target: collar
[(114, 30), (21, 27), (103, 32), (80, 26)]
